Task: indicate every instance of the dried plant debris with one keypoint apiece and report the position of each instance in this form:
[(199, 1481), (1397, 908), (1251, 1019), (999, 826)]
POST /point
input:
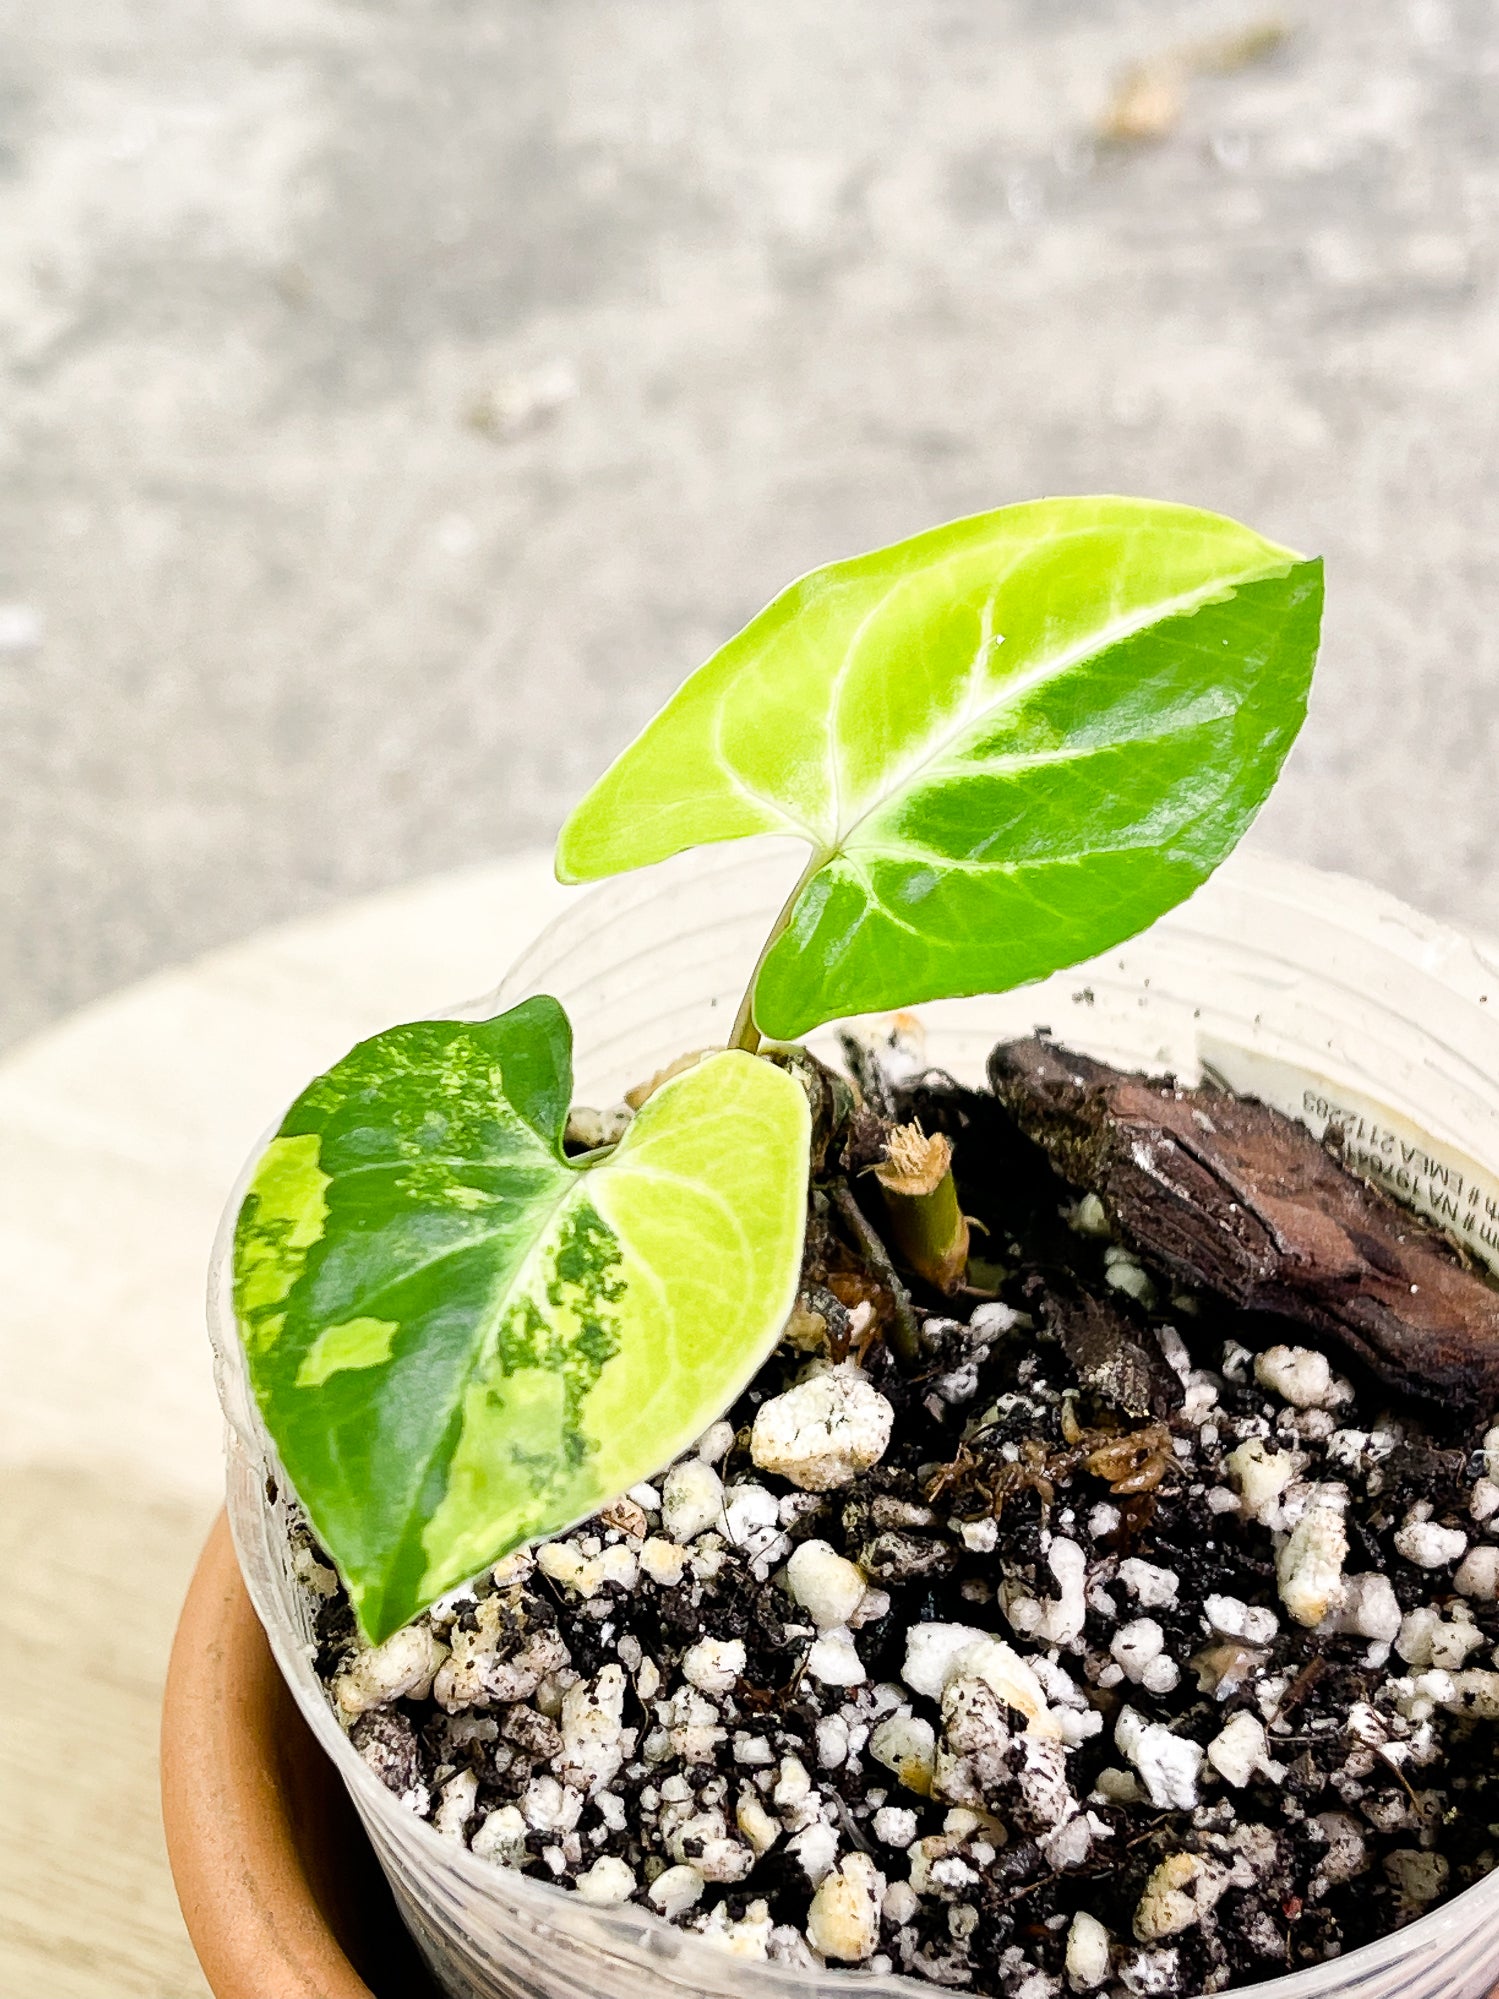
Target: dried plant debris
[(1228, 1194), (1096, 1636), (1149, 98), (1109, 1352)]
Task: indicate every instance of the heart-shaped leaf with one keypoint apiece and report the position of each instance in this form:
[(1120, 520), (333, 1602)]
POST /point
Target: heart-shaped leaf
[(461, 1341), (1010, 742)]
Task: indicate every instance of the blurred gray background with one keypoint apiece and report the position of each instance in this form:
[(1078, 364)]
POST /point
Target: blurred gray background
[(401, 395)]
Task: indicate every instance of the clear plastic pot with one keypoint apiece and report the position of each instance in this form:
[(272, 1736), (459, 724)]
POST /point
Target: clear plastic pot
[(1308, 989)]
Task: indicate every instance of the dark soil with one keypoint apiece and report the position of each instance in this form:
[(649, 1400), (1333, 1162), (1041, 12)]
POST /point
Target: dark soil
[(1250, 1598)]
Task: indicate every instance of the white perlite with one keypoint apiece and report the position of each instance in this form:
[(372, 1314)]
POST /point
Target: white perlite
[(1059, 1621), (1478, 1573), (586, 1575), (455, 1805), (1421, 1541), (1075, 1720), (750, 1935), (701, 1837), (1071, 1843), (793, 1785), (1151, 1587), (826, 1584), (402, 1668), (1347, 1849), (1262, 1475), (937, 1654), (1369, 1609), (663, 1561), (973, 1758), (674, 1892), (548, 1806), (594, 1743), (1240, 1751), (1256, 1624), (607, 1884), (713, 1665), (1426, 1638), (1139, 1648), (1168, 1764), (501, 1837), (1042, 1779), (1087, 1953), (1300, 1377), (752, 1523), (755, 1822), (901, 1904), (1145, 1974), (1309, 1567), (930, 1652), (895, 1825), (816, 1847), (716, 1442), (833, 1740), (824, 1432), (1181, 1891), (691, 1500), (906, 1744), (834, 1660), (1473, 1692), (843, 1921)]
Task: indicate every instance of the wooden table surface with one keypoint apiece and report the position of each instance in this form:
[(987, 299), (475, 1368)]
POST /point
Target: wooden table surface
[(121, 1131)]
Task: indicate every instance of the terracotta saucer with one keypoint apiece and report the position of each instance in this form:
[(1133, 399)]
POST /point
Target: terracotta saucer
[(280, 1891)]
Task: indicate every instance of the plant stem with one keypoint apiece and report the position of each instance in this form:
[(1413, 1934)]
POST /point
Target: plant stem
[(921, 1201), (745, 1034)]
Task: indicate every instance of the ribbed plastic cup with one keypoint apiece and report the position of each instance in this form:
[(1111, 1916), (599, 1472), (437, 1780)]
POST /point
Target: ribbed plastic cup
[(1310, 990)]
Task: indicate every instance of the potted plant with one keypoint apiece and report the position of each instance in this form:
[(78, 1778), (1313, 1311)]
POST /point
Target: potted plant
[(783, 1524)]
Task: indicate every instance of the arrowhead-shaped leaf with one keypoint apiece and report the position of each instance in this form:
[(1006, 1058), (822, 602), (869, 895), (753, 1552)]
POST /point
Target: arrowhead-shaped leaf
[(460, 1341), (1010, 742)]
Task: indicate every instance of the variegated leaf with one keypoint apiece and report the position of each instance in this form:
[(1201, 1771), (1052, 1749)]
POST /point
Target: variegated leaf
[(460, 1340), (1009, 743)]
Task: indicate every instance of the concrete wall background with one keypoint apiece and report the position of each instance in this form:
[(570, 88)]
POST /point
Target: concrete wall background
[(401, 395)]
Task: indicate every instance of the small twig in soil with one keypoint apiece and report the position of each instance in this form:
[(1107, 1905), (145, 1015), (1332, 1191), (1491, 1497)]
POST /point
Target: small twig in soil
[(1302, 1685), (1385, 1758), (905, 1342)]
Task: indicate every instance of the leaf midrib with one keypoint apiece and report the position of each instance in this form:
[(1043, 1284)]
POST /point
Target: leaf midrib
[(1038, 675)]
